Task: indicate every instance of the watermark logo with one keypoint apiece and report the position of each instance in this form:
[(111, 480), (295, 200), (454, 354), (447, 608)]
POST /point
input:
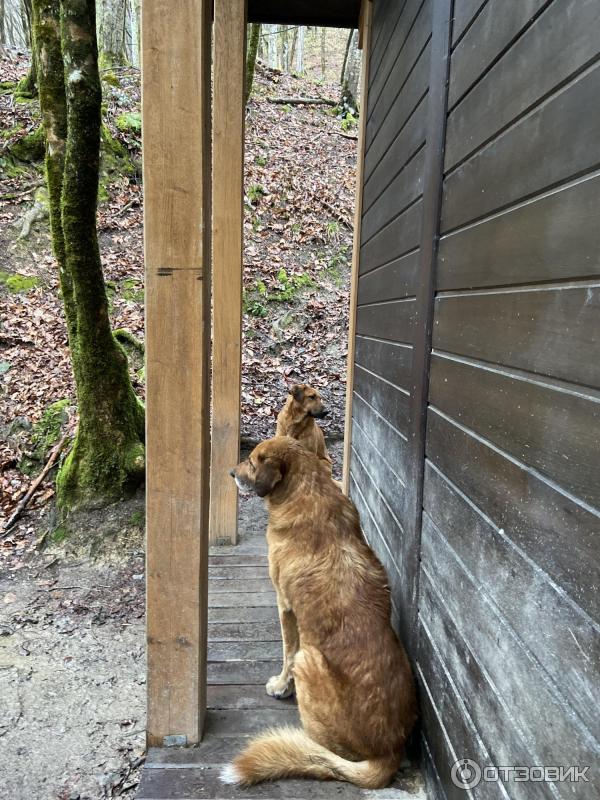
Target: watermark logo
[(467, 774)]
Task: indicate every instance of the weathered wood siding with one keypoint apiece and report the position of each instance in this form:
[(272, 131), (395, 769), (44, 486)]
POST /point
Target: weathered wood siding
[(495, 575)]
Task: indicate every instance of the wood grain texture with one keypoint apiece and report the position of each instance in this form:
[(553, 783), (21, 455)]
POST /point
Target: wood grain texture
[(553, 237), (463, 13), (531, 511), (532, 604), (553, 144), (395, 154), (175, 97), (552, 330), (388, 400), (545, 721), (390, 361), (549, 428), (494, 28), (227, 221), (392, 281), (366, 20), (547, 54), (385, 438)]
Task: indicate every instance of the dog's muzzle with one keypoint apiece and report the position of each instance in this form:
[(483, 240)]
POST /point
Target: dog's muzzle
[(320, 414)]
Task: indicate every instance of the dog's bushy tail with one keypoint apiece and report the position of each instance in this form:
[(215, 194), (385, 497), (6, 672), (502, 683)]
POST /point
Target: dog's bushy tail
[(290, 752)]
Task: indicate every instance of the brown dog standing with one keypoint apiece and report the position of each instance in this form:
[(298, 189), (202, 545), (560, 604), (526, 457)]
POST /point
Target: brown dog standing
[(353, 682), (297, 419)]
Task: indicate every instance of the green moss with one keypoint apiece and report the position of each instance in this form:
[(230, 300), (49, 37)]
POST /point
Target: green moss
[(132, 290), (17, 283), (59, 534), (130, 122), (30, 148), (137, 519), (44, 434), (110, 78), (255, 192)]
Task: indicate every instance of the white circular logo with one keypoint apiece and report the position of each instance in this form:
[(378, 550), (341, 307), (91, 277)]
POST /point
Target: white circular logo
[(465, 773)]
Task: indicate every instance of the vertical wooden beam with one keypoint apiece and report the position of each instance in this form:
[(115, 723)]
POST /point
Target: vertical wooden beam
[(176, 158), (432, 201), (228, 180), (366, 13)]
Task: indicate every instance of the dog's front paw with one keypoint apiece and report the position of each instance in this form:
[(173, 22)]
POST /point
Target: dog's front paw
[(280, 686)]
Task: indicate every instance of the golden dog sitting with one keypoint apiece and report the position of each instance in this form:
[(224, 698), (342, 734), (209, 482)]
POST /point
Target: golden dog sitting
[(297, 418), (353, 682)]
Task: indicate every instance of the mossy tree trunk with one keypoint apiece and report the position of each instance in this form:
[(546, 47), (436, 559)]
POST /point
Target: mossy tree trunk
[(27, 86), (107, 459), (253, 40)]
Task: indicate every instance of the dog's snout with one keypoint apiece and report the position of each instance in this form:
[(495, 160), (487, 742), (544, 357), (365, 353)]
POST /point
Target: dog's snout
[(232, 472)]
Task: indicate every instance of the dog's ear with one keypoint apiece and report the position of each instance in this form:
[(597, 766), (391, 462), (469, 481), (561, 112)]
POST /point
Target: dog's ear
[(297, 392), (268, 474)]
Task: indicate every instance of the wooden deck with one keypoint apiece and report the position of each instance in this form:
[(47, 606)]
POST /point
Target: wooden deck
[(244, 651)]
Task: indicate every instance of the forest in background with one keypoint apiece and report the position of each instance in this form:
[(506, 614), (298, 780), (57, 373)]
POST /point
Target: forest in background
[(299, 193)]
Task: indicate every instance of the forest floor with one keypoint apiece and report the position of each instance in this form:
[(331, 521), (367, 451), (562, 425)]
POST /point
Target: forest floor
[(72, 651)]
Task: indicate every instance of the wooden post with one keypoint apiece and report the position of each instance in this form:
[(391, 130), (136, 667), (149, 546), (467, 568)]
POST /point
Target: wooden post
[(228, 179), (176, 153), (364, 41)]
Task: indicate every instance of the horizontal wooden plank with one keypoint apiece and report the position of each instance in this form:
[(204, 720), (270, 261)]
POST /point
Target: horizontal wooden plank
[(240, 696), (212, 750), (243, 614), (242, 672), (386, 16), (394, 240), (448, 710), (237, 585), (553, 49), (230, 559), (385, 438), (386, 399), (404, 88), (223, 572), (254, 545), (463, 12), (399, 589), (233, 722), (438, 744), (407, 142), (393, 362), (243, 631), (405, 188), (164, 783), (244, 651), (391, 321), (393, 51), (394, 280), (552, 237), (512, 168), (243, 599), (545, 620), (492, 717), (537, 518), (556, 432), (491, 32), (553, 733), (549, 331)]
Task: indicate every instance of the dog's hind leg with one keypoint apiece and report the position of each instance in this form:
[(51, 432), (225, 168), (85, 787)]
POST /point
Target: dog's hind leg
[(282, 685)]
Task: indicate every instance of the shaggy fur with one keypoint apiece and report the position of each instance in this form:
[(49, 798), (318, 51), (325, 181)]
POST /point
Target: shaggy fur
[(352, 678), (297, 419)]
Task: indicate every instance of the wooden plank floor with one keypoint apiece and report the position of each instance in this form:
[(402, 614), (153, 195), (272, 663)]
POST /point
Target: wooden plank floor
[(244, 651)]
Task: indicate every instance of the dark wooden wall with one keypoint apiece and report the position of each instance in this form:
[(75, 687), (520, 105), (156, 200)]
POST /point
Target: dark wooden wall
[(478, 339)]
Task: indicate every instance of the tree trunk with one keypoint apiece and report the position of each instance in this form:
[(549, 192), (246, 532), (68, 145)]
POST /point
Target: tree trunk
[(345, 61), (300, 49), (27, 86), (107, 459), (111, 33), (323, 42), (271, 35), (349, 98), (253, 40)]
